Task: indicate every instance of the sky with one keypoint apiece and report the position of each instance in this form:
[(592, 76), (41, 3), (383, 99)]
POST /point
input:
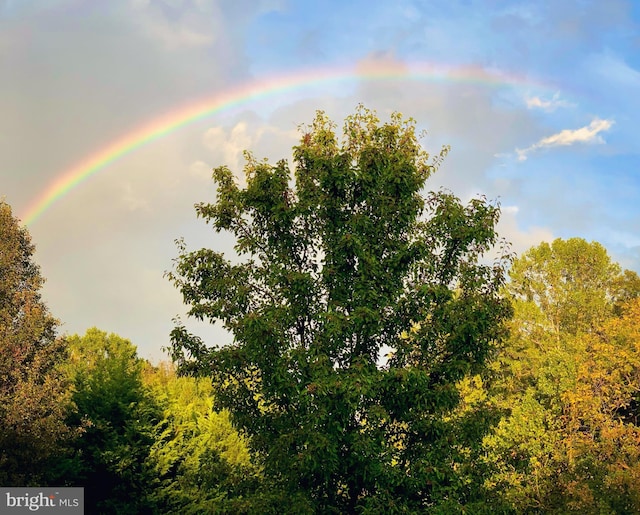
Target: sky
[(140, 99)]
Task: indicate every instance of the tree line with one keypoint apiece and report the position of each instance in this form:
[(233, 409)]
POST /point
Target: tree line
[(390, 355)]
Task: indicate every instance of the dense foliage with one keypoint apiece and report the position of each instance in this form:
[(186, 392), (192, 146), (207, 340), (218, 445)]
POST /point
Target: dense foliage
[(347, 260), (568, 384), (33, 393), (201, 464), (118, 415)]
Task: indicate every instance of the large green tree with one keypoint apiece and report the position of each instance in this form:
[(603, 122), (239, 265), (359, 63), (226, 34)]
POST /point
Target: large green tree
[(33, 392), (344, 262), (118, 414)]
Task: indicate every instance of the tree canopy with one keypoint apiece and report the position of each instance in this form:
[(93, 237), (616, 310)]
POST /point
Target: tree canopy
[(201, 463), (33, 392), (345, 261), (573, 283), (118, 414), (568, 384)]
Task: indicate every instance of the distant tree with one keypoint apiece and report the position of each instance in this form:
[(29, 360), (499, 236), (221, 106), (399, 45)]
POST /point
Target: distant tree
[(337, 267), (568, 384), (601, 418), (573, 283), (34, 397), (118, 413)]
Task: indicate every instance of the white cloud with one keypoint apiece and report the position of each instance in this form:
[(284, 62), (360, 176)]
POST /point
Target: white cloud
[(193, 27), (229, 147), (201, 170), (191, 24), (587, 134), (547, 105), (133, 201), (520, 240)]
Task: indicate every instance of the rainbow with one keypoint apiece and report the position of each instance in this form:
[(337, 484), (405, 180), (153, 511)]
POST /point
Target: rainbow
[(251, 92)]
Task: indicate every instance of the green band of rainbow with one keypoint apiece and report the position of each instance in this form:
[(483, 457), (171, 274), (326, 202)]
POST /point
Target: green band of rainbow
[(70, 179)]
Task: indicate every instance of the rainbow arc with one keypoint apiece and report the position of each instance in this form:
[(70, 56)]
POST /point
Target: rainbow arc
[(70, 179)]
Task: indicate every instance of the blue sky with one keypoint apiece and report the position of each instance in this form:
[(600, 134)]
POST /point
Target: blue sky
[(559, 148)]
